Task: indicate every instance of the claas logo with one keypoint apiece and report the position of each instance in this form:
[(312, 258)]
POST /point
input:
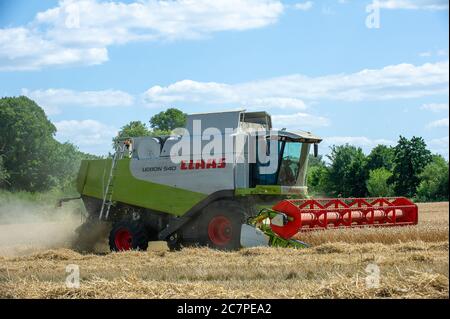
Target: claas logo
[(202, 164)]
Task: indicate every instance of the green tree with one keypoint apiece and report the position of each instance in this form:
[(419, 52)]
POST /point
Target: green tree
[(166, 121), (315, 161), (410, 158), (317, 180), (132, 129), (347, 174), (381, 156), (3, 173), (66, 164), (434, 181), (317, 176), (29, 155), (378, 183), (27, 144)]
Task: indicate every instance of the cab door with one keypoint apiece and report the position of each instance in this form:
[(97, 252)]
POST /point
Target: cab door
[(260, 174)]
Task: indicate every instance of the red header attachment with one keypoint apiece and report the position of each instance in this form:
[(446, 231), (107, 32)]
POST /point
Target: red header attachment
[(311, 214)]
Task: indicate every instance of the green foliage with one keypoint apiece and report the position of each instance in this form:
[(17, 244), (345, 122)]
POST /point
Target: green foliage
[(317, 176), (160, 132), (318, 180), (161, 124), (410, 158), (26, 142), (434, 181), (408, 169), (168, 120), (132, 129), (3, 173), (347, 174), (66, 165), (315, 161), (32, 159), (381, 156), (378, 183)]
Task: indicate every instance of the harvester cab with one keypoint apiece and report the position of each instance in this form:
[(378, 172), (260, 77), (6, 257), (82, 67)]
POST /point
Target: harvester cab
[(226, 180)]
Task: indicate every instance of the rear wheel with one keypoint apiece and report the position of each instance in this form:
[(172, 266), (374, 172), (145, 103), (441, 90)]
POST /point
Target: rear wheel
[(220, 224), (128, 235)]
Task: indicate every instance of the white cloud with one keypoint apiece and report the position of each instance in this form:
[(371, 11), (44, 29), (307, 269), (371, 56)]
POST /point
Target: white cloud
[(304, 6), (22, 49), (275, 102), (167, 19), (53, 99), (79, 32), (361, 141), (216, 93), (440, 142), (440, 146), (391, 82), (435, 107), (188, 90), (365, 143), (438, 123), (414, 4), (299, 121), (89, 135)]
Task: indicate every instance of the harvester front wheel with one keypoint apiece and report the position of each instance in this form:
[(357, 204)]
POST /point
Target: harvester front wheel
[(220, 225), (128, 235)]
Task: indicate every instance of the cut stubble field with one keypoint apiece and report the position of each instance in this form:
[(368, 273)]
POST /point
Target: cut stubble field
[(412, 263)]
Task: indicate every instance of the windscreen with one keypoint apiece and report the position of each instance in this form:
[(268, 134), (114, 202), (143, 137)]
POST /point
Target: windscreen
[(290, 164)]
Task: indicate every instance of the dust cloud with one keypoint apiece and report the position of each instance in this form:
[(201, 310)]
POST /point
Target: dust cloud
[(29, 226)]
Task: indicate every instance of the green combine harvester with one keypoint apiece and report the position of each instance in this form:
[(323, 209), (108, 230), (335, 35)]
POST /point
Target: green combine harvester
[(227, 180)]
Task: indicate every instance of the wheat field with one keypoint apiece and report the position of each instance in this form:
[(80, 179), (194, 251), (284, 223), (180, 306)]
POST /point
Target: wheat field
[(410, 262)]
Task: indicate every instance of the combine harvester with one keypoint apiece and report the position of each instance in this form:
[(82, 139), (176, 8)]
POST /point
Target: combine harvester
[(243, 197)]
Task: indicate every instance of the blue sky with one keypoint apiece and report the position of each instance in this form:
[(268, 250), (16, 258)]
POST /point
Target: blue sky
[(314, 65)]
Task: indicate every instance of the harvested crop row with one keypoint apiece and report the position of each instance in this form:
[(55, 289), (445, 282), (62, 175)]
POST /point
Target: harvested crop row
[(412, 263), (414, 269)]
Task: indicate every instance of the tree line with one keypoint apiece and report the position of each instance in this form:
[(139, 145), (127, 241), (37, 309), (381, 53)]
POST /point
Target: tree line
[(32, 160), (30, 157), (406, 169)]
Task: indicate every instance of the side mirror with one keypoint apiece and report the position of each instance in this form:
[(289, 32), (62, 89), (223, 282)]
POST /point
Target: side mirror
[(316, 150)]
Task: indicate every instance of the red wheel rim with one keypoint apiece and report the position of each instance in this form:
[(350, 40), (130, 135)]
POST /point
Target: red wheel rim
[(220, 230), (123, 239)]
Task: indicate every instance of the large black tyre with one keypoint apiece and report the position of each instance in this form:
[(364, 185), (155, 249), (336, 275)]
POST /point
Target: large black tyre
[(88, 234), (219, 225), (128, 235)]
